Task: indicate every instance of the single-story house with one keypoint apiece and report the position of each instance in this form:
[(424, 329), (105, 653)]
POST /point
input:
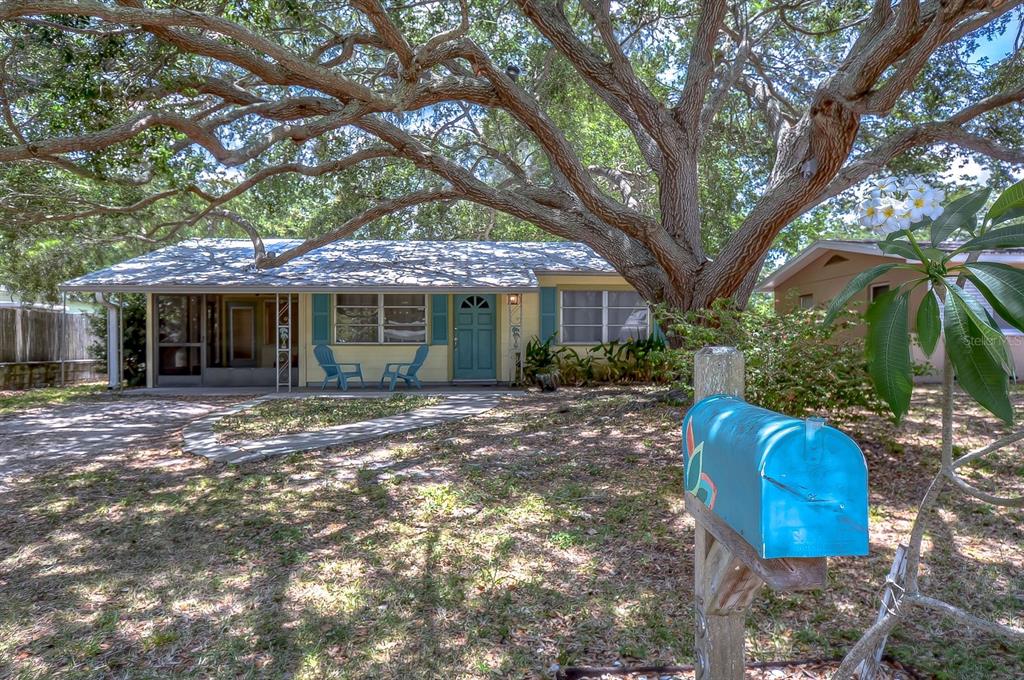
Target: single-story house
[(212, 315), (819, 272)]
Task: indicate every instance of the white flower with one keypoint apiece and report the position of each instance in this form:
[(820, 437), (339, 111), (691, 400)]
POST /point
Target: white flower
[(918, 205), (887, 184), (934, 210), (893, 217), (924, 193), (871, 216), (914, 183)]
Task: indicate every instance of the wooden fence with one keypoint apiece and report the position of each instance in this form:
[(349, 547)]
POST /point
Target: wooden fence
[(29, 334), (40, 347)]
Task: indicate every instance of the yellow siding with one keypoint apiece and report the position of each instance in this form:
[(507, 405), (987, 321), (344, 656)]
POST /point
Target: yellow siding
[(580, 281), (438, 367), (372, 357), (576, 282)]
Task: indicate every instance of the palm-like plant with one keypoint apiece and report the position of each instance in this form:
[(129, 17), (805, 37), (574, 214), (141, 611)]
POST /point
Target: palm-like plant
[(974, 343), (974, 349)]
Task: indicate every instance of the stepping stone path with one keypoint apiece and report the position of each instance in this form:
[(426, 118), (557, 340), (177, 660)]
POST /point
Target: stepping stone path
[(201, 439)]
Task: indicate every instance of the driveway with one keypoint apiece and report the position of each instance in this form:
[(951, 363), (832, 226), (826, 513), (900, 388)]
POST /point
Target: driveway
[(35, 440)]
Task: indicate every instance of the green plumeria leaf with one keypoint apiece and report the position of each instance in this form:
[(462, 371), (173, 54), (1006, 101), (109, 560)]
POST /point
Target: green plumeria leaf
[(929, 323), (1011, 214), (978, 373), (1010, 199), (1004, 237), (1003, 287), (888, 348), (992, 338), (960, 214), (854, 287), (901, 248)]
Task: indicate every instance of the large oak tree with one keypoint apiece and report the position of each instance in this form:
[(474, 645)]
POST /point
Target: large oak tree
[(621, 125)]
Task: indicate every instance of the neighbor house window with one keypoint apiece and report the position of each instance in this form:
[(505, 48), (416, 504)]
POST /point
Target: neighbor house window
[(807, 301), (591, 316), (380, 318), (878, 290)]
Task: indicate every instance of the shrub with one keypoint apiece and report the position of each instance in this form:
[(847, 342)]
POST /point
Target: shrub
[(613, 361), (541, 364), (794, 363)]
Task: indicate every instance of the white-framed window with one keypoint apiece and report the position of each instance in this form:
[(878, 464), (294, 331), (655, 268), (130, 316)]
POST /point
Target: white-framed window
[(806, 301), (592, 316), (878, 290), (378, 318)]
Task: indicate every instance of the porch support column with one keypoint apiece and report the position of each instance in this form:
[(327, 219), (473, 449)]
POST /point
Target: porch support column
[(113, 349), (113, 343)]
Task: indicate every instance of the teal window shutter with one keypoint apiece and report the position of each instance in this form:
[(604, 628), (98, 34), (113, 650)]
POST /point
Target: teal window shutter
[(548, 312), (438, 319), (321, 319)]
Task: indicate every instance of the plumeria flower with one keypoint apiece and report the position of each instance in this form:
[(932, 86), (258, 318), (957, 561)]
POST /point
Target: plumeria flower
[(893, 217), (915, 184), (888, 184), (871, 216), (919, 204), (934, 210)]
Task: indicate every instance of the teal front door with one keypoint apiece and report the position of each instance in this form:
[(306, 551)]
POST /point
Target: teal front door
[(475, 324)]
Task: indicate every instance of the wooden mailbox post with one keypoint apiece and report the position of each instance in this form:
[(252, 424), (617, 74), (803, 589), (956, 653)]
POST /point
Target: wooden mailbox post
[(772, 497)]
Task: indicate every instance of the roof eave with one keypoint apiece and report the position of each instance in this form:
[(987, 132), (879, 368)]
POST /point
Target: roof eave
[(270, 290), (780, 275)]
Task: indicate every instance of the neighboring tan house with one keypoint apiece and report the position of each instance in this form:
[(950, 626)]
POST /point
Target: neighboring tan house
[(821, 271), (211, 313)]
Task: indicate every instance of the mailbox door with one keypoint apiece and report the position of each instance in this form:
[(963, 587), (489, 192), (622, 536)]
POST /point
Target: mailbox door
[(814, 497)]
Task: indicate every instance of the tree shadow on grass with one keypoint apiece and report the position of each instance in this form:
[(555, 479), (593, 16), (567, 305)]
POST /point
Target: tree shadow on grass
[(548, 531)]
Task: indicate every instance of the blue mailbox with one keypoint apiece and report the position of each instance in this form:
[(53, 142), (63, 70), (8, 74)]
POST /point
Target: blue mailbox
[(789, 487)]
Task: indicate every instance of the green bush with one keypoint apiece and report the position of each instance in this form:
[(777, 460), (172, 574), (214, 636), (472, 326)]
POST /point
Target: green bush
[(795, 364), (614, 361), (134, 338)]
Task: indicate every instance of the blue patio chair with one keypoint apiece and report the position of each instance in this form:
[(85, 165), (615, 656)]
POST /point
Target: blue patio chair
[(335, 371), (405, 371)]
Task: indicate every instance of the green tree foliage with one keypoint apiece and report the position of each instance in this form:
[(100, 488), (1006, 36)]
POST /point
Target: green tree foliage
[(71, 74), (794, 363), (134, 342)]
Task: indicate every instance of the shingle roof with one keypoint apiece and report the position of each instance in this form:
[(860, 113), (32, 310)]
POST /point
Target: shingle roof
[(445, 265), (1012, 256)]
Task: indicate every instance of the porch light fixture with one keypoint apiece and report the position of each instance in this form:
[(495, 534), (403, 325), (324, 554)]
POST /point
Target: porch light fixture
[(513, 298)]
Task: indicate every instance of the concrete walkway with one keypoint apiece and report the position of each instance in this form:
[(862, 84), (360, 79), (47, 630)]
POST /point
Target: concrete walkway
[(200, 438), (41, 438)]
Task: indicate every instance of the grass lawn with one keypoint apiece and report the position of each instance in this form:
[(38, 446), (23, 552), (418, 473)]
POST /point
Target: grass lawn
[(12, 401), (550, 530), (287, 416)]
